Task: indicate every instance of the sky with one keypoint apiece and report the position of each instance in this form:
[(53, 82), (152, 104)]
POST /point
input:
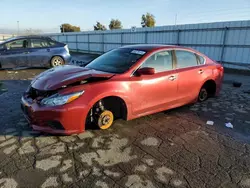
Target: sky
[(48, 15)]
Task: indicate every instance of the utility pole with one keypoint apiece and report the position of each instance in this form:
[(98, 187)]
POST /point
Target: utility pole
[(17, 27), (175, 21)]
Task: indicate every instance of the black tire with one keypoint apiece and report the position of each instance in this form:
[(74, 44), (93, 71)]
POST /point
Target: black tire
[(56, 61), (203, 94)]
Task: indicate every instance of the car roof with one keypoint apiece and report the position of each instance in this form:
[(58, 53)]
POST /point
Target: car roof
[(151, 47), (31, 36), (27, 37)]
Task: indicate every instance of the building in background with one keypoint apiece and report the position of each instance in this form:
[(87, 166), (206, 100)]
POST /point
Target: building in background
[(3, 37)]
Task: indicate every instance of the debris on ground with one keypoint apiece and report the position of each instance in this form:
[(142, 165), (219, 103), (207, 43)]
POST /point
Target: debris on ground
[(229, 125), (237, 84), (210, 123)]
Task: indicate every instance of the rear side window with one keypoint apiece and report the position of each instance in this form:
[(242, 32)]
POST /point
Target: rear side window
[(185, 59), (39, 43), (161, 61), (201, 60), (52, 43)]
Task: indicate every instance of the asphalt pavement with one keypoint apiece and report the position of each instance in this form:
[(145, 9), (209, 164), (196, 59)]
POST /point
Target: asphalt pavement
[(175, 148)]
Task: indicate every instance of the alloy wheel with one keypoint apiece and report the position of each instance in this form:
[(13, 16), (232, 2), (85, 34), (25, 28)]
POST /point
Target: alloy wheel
[(57, 61), (203, 95)]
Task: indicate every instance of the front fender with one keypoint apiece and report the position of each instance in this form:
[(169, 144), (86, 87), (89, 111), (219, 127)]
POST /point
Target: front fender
[(121, 95)]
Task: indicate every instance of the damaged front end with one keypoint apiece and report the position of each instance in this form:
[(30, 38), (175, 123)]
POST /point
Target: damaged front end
[(38, 95), (56, 78), (53, 97), (48, 84), (48, 102)]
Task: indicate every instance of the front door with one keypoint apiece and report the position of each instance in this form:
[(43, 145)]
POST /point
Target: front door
[(158, 91), (190, 76), (14, 54)]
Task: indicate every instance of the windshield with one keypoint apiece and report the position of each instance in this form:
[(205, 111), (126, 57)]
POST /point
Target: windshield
[(116, 61)]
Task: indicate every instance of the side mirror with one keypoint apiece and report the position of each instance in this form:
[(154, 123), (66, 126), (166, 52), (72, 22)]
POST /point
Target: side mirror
[(146, 71)]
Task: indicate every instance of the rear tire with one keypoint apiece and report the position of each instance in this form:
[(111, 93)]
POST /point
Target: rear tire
[(56, 61), (203, 94)]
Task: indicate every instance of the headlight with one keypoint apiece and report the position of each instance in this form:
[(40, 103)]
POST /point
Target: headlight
[(58, 99)]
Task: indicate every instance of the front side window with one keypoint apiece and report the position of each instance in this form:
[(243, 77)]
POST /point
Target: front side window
[(116, 61), (185, 59), (39, 43), (161, 61), (17, 44)]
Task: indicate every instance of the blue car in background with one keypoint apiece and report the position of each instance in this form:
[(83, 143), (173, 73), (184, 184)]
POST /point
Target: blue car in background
[(33, 51)]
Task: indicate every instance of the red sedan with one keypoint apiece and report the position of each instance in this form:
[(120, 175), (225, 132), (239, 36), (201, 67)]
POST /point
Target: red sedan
[(128, 82)]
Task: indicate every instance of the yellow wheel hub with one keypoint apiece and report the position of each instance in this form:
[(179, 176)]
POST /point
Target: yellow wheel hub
[(105, 119)]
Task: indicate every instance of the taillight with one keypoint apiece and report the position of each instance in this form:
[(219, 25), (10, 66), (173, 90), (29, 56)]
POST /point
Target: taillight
[(66, 48), (220, 68)]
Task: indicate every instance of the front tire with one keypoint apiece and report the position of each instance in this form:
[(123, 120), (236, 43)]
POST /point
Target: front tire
[(57, 61), (203, 94)]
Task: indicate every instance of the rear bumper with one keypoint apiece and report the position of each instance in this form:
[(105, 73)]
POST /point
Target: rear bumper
[(67, 119), (218, 82), (67, 58)]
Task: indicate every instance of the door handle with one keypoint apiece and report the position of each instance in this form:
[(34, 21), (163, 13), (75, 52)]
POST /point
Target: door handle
[(26, 52), (172, 78), (200, 71)]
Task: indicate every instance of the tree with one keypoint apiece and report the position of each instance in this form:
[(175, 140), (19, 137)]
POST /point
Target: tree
[(69, 28), (99, 26), (148, 20), (115, 24)]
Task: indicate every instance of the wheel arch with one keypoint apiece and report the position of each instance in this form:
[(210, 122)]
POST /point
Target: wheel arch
[(211, 86), (114, 103)]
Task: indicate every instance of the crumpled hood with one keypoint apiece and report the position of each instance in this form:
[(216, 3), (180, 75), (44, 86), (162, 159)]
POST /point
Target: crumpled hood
[(63, 75)]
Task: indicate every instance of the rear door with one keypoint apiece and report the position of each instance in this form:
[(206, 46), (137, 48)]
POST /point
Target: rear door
[(191, 74), (39, 52), (14, 54)]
